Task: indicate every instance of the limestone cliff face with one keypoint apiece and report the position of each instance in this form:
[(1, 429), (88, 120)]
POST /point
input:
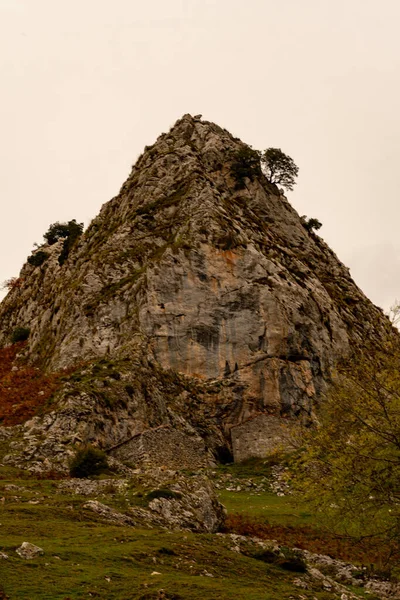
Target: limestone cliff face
[(186, 272)]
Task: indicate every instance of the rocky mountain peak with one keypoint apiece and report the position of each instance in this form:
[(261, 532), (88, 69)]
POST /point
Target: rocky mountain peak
[(186, 274)]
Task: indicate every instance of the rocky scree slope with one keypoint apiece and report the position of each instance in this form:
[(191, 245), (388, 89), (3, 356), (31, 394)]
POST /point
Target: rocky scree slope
[(197, 313)]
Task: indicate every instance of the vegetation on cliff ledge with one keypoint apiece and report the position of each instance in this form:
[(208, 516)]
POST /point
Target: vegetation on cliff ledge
[(277, 167), (24, 390)]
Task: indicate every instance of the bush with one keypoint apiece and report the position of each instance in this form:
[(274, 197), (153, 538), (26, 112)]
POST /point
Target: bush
[(311, 224), (38, 258), (69, 231), (267, 556), (74, 232), (246, 164), (13, 284), (20, 334), (166, 551), (88, 461), (55, 232), (291, 560), (288, 559)]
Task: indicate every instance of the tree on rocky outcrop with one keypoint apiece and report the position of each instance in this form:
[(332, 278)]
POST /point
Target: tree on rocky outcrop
[(279, 168), (351, 465), (70, 232), (74, 232), (55, 232), (246, 164), (311, 224)]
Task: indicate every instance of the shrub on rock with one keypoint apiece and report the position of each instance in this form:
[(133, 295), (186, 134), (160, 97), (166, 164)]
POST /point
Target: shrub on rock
[(19, 334), (246, 164), (38, 258), (88, 461)]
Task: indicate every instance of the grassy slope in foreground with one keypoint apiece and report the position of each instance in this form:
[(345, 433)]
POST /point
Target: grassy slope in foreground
[(85, 558)]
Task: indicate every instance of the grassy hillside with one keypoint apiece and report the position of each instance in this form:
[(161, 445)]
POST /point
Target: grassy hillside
[(86, 558)]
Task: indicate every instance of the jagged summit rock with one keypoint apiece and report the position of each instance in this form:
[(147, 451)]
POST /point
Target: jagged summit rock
[(219, 310)]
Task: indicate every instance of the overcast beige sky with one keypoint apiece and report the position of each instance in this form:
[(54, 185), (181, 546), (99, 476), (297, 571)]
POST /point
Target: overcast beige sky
[(86, 84)]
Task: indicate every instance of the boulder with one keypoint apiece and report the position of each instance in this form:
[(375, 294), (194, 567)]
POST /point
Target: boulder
[(29, 551)]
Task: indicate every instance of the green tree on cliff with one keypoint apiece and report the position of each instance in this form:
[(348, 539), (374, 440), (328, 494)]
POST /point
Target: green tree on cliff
[(246, 164), (279, 168), (69, 232)]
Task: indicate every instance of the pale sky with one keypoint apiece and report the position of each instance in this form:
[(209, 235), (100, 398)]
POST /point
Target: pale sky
[(86, 84)]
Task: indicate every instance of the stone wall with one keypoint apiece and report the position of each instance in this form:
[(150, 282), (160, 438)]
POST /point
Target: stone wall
[(260, 436), (163, 446)]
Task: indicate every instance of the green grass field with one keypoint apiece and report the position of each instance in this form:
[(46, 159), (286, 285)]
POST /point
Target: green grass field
[(276, 510), (85, 558)]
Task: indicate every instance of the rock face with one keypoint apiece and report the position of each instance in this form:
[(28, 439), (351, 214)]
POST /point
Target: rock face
[(219, 311)]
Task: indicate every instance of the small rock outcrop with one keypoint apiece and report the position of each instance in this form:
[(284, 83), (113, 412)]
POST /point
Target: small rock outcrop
[(193, 319), (29, 551), (171, 500), (192, 505)]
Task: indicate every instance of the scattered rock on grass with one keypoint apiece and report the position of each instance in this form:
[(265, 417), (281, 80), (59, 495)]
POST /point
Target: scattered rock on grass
[(29, 551)]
